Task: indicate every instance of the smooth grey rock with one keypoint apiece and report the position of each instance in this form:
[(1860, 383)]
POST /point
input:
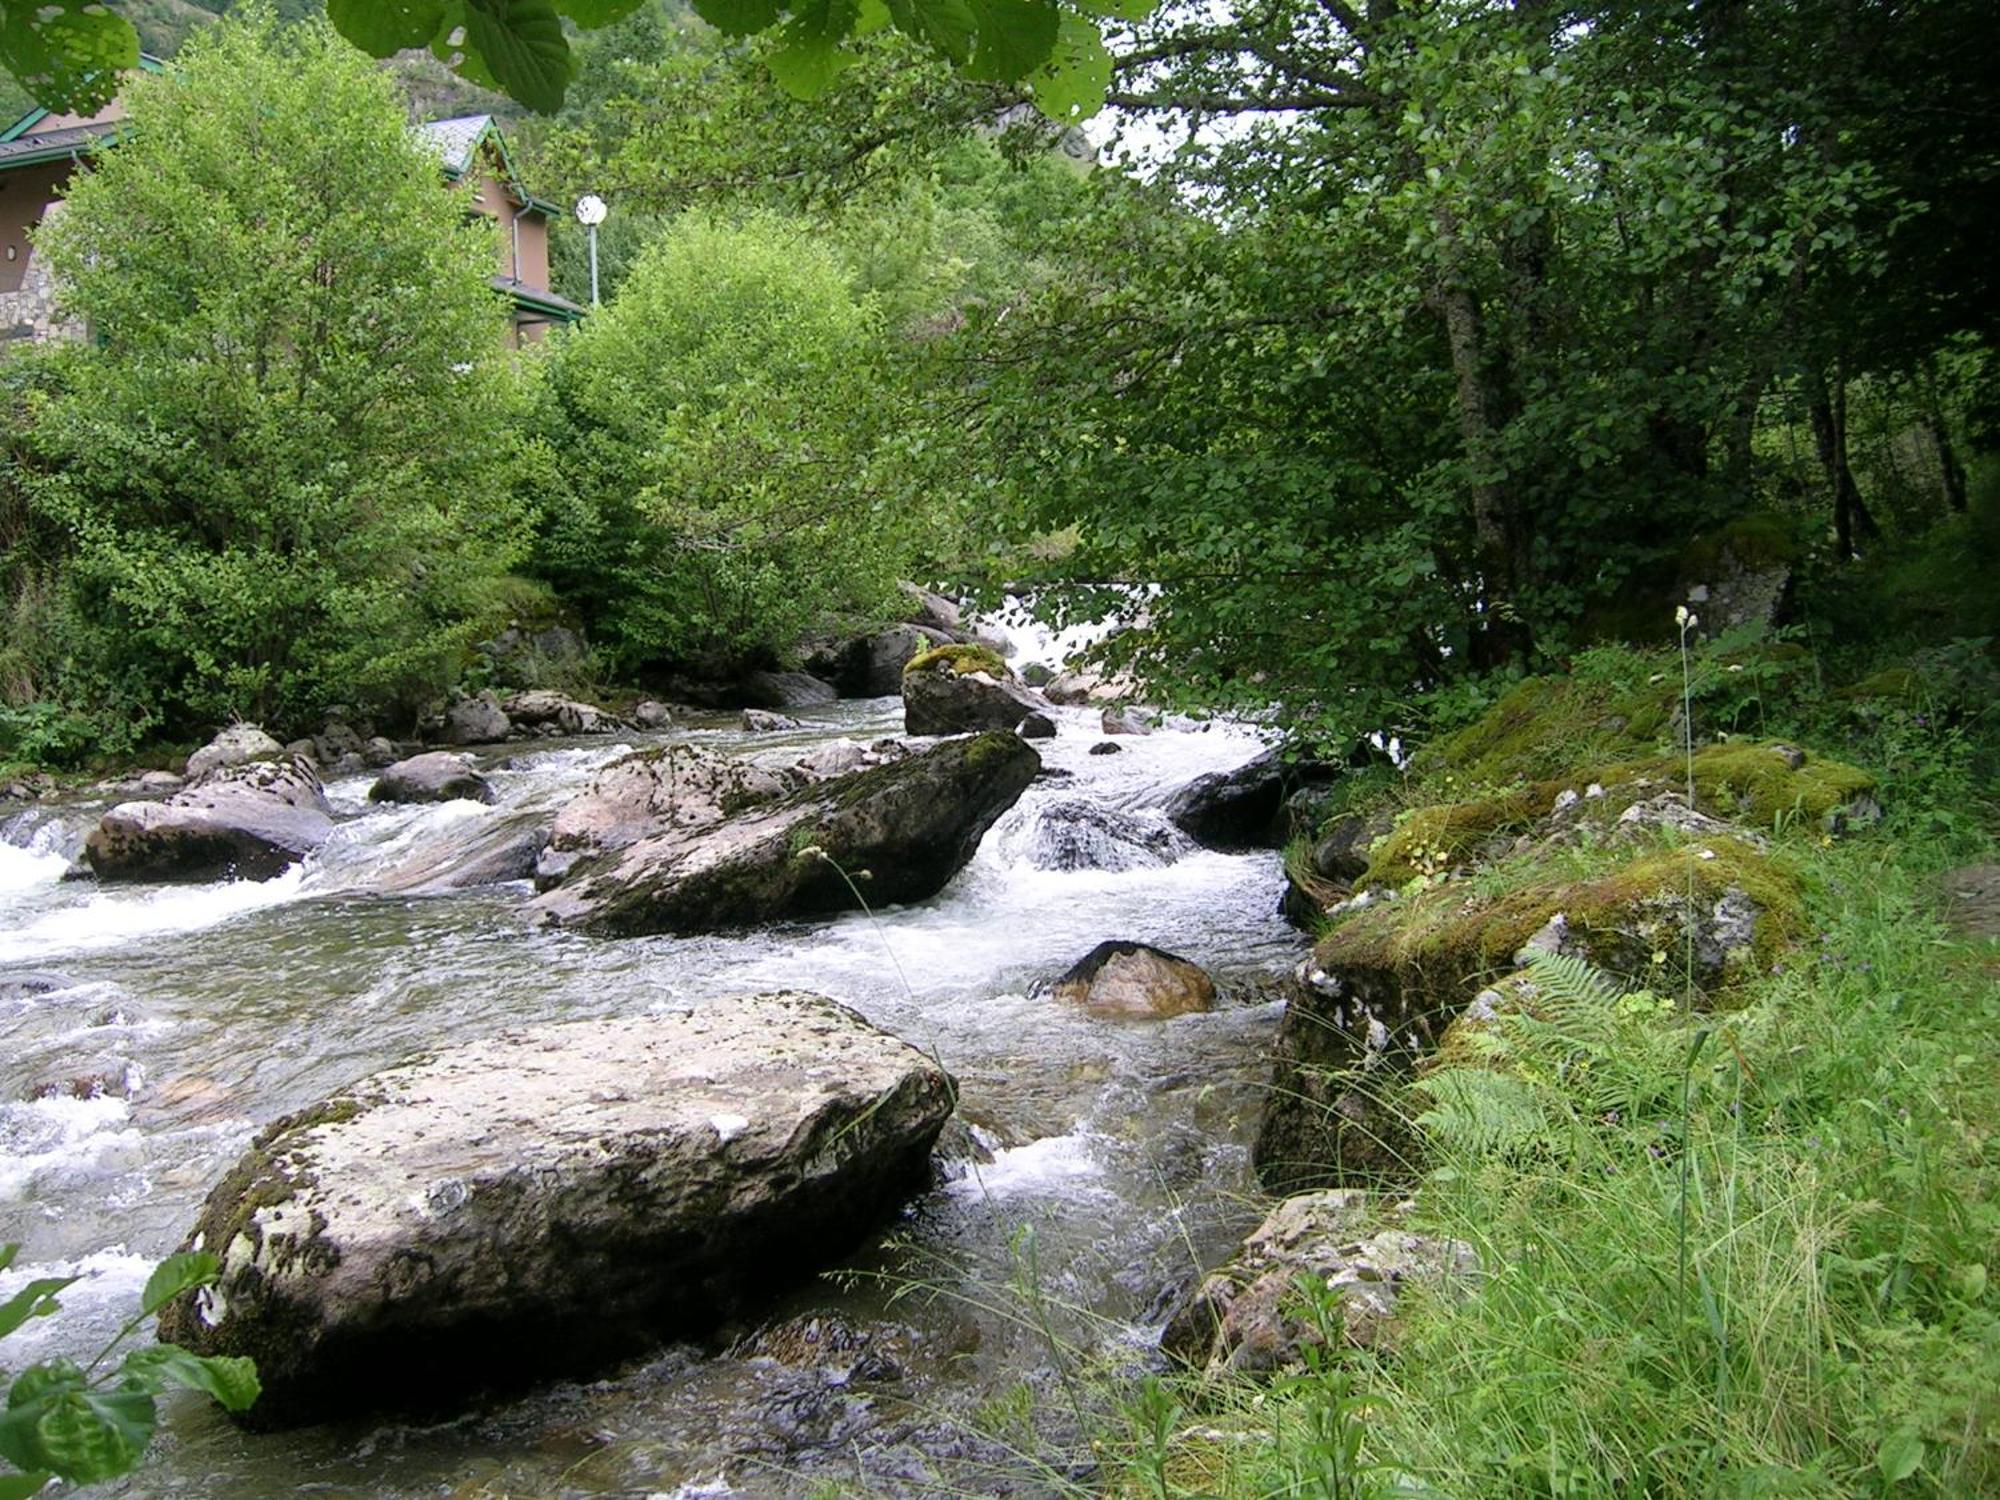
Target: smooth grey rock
[(1091, 687), (1135, 980), (898, 831), (1036, 726), (1245, 1316), (1125, 721), (763, 721), (786, 690), (476, 721), (161, 781), (675, 788), (577, 1189), (238, 745), (845, 757), (249, 821), (380, 752), (651, 715), (435, 776)]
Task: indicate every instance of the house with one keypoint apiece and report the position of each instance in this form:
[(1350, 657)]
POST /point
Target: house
[(41, 151)]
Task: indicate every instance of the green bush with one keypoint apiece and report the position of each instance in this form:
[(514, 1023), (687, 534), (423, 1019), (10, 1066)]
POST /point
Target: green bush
[(710, 445), (280, 466)]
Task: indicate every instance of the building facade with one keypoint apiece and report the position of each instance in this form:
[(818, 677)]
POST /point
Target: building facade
[(41, 152)]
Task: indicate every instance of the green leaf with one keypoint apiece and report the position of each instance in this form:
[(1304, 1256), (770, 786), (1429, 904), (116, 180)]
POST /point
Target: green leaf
[(809, 56), (86, 1436), (231, 1380), (1012, 38), (174, 1275), (739, 17), (8, 1252), (1121, 10), (67, 53), (21, 1486), (522, 47), (35, 1300), (1900, 1456), (1071, 85), (945, 26), (34, 1391), (382, 28)]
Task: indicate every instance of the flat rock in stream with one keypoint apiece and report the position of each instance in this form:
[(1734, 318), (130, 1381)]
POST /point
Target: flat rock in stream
[(896, 832), (248, 822), (554, 1198)]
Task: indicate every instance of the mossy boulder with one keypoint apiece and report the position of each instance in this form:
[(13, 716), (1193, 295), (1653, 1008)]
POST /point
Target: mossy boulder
[(897, 832), (1764, 786), (961, 689), (1384, 984), (961, 659)]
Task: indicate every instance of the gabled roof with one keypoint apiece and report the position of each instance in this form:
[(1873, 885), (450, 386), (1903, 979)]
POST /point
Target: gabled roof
[(147, 64), (458, 142), (55, 145)]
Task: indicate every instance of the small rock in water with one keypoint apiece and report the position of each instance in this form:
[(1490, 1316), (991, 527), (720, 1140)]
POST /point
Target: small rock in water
[(1106, 747), (238, 745), (651, 715), (1036, 726), (1135, 980), (1126, 721), (436, 776), (763, 721)]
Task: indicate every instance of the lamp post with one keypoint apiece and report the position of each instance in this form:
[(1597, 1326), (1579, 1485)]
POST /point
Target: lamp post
[(590, 213)]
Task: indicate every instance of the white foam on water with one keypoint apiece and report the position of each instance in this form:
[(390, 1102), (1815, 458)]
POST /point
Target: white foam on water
[(1053, 1165), (715, 1488), (115, 917), (96, 1306), (23, 869), (65, 1137)]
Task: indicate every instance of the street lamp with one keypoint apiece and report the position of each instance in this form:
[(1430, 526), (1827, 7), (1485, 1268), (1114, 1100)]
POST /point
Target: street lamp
[(590, 212)]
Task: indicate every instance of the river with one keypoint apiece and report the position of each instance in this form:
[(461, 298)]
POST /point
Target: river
[(953, 1356)]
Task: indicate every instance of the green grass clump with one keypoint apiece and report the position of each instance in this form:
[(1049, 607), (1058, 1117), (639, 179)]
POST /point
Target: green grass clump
[(960, 659), (1742, 1254)]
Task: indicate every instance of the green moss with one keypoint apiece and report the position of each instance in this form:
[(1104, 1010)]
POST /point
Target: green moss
[(961, 660), (1550, 725), (1434, 839), (1764, 539), (1436, 943), (1764, 783)]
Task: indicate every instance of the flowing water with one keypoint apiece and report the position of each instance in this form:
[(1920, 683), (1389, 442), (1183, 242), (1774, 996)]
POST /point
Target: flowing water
[(162, 1026)]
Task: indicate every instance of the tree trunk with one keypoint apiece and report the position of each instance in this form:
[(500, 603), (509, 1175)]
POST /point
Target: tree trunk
[(1829, 423)]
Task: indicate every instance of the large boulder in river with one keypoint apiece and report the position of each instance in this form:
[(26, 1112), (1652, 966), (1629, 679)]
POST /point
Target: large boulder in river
[(898, 831), (1243, 808), (575, 1190), (238, 745), (675, 789), (1135, 980), (871, 666), (246, 822), (785, 690), (962, 689), (436, 776)]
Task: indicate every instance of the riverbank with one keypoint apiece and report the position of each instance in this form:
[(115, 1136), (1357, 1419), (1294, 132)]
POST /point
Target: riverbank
[(1732, 1237)]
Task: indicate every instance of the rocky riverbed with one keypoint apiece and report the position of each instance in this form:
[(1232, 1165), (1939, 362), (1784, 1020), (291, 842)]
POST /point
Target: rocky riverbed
[(1094, 1162)]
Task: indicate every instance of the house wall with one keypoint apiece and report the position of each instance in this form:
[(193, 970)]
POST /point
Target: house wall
[(25, 196), (28, 308)]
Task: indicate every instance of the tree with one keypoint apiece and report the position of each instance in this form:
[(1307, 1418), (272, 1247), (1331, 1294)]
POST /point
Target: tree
[(712, 435), (280, 462)]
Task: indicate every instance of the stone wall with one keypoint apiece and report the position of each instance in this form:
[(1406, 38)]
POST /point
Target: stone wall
[(30, 313)]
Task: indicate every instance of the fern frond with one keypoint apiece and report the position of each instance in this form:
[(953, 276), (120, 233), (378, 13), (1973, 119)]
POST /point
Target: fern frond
[(1478, 1111)]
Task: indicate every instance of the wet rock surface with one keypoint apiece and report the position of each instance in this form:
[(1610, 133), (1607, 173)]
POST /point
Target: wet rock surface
[(910, 825), (1135, 981), (248, 821), (1072, 833), (1243, 808), (575, 1188)]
